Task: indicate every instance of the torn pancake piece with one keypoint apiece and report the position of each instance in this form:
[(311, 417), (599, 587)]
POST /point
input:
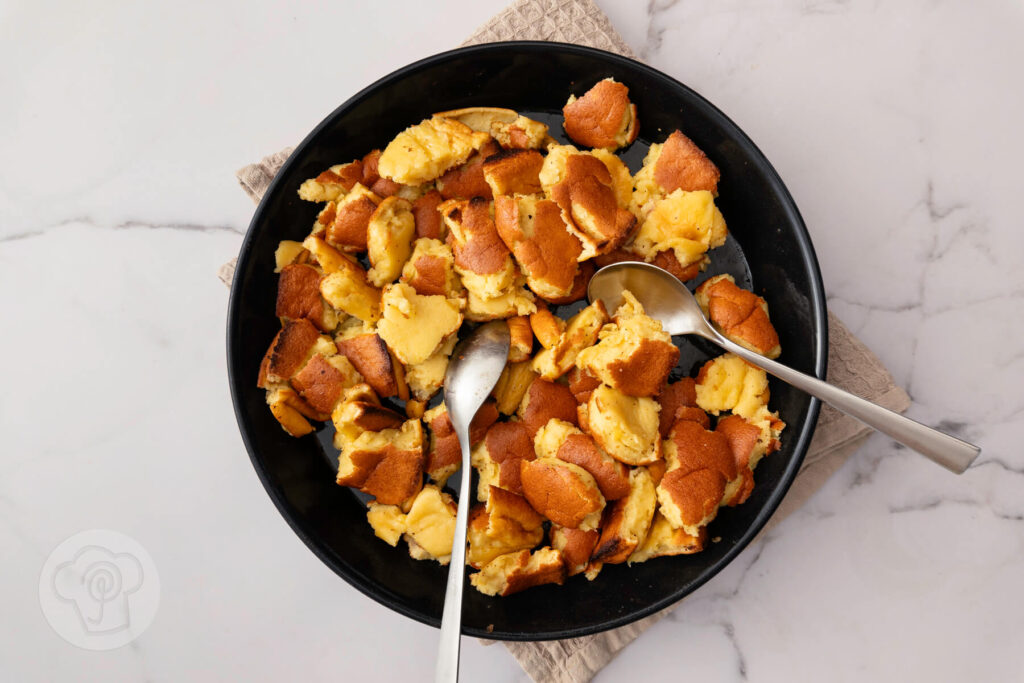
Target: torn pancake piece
[(514, 572), (626, 427), (627, 521), (415, 326), (634, 355), (564, 493), (576, 547), (676, 164), (389, 237), (563, 440), (430, 525), (687, 223), (504, 524), (425, 151), (729, 383), (740, 315), (431, 270), (444, 455), (387, 464), (497, 458), (332, 183), (602, 117), (581, 331), (545, 249), (701, 476), (663, 541)]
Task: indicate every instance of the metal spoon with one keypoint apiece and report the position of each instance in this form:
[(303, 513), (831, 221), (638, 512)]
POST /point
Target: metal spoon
[(667, 299), (473, 370)]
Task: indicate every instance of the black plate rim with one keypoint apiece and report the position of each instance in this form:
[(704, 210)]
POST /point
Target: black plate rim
[(816, 297)]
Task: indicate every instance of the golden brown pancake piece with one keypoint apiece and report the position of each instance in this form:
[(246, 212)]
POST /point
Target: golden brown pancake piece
[(324, 219), (415, 326), (430, 275), (430, 525), (521, 336), (515, 171), (430, 270), (425, 214), (662, 541), (370, 172), (514, 572), (290, 411), (534, 231), (467, 181), (505, 524), (545, 401), (730, 383), (389, 237), (345, 176), (483, 251), (666, 260), (697, 448), (674, 396), (586, 194), (507, 444), (515, 379), (683, 166), (603, 117), (322, 382), (579, 286), (298, 296), (635, 354), (645, 369), (564, 493), (370, 356), (627, 521), (444, 445), (426, 150), (520, 133), (576, 547), (701, 466), (289, 350), (612, 476), (581, 331), (582, 384), (626, 427), (373, 417), (742, 438), (348, 289), (547, 326), (742, 316), (352, 216), (387, 464), (332, 183)]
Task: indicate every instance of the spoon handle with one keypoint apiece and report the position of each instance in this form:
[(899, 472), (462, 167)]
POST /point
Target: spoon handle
[(950, 452), (447, 670)]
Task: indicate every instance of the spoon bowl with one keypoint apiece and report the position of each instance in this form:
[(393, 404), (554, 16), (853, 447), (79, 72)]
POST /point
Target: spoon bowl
[(663, 296), (473, 370), (666, 299)]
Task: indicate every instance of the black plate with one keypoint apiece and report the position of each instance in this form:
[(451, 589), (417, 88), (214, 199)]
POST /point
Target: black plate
[(769, 248)]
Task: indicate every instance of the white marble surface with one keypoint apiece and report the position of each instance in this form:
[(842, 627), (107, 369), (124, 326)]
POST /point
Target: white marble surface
[(895, 126)]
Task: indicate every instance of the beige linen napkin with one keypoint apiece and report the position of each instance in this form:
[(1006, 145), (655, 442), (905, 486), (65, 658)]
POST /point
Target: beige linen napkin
[(850, 364)]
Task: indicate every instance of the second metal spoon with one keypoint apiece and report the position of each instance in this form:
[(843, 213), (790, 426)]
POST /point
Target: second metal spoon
[(474, 369), (667, 299)]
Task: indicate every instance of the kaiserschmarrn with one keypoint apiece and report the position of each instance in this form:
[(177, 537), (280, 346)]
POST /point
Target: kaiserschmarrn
[(596, 448)]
